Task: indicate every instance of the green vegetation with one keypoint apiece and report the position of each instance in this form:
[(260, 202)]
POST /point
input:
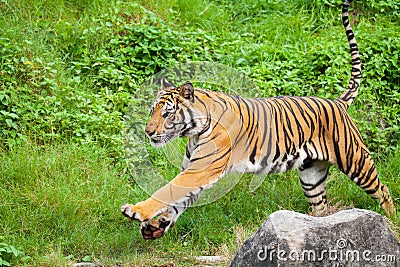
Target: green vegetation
[(9, 253), (69, 70)]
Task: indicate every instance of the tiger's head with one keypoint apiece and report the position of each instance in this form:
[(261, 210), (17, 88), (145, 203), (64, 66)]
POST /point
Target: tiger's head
[(174, 114)]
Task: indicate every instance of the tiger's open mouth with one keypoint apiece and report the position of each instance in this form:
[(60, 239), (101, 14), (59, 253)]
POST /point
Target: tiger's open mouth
[(160, 140)]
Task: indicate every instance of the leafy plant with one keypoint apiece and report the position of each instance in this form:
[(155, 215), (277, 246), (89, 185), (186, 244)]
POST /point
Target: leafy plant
[(9, 254)]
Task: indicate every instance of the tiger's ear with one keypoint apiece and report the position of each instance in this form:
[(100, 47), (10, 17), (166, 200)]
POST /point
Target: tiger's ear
[(187, 91), (165, 84)]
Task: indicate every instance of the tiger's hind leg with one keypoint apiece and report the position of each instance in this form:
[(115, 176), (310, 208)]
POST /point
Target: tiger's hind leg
[(363, 172), (313, 175)]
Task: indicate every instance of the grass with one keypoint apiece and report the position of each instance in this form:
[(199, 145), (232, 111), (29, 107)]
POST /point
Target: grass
[(65, 84), (61, 203)]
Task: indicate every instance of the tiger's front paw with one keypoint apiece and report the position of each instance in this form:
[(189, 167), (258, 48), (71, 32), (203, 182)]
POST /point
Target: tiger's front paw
[(132, 212), (153, 229)]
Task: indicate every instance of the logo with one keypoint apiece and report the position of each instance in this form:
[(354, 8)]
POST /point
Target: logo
[(341, 253)]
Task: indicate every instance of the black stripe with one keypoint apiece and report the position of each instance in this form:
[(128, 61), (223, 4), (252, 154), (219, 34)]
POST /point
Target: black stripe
[(253, 153), (309, 187), (313, 195), (319, 202)]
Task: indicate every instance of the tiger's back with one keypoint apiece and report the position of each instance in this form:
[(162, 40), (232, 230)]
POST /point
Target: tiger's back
[(295, 130)]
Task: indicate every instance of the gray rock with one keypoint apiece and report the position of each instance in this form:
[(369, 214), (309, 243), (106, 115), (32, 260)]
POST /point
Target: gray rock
[(348, 238)]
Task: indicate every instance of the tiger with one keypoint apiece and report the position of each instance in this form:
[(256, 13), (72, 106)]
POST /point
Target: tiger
[(232, 134)]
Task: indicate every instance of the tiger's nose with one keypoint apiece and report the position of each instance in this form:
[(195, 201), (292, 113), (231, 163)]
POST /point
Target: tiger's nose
[(150, 128), (149, 132)]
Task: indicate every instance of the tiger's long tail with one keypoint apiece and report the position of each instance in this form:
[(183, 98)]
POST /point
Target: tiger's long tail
[(351, 91)]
